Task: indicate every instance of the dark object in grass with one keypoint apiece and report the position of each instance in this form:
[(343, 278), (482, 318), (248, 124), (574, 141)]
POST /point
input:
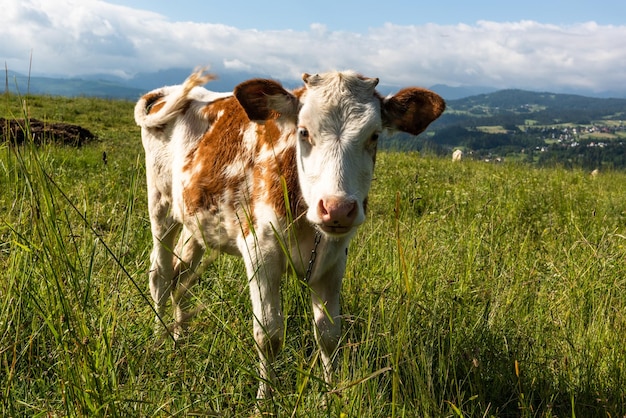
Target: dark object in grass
[(17, 130)]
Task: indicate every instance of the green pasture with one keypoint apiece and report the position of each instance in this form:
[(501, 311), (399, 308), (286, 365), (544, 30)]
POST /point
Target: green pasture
[(473, 290)]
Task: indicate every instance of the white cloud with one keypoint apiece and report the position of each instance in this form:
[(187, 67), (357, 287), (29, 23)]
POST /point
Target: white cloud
[(74, 37), (236, 65)]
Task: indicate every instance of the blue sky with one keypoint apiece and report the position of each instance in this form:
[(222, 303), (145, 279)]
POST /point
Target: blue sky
[(535, 45), (358, 16)]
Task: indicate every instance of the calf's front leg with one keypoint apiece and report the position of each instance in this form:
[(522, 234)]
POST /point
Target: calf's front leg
[(264, 271), (325, 285)]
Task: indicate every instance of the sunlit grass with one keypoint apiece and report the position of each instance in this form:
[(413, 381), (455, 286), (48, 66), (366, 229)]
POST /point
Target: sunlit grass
[(472, 290)]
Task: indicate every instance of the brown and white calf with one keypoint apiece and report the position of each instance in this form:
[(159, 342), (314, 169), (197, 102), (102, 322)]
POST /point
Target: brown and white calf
[(259, 173)]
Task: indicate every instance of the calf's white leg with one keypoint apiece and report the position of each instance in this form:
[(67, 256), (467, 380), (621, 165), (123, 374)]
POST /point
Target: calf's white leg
[(164, 232), (325, 285), (189, 253), (265, 269)]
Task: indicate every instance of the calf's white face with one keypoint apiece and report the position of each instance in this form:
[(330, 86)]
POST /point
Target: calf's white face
[(338, 127)]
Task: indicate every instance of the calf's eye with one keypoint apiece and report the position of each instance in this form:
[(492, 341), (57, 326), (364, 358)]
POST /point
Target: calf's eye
[(303, 133), (372, 144)]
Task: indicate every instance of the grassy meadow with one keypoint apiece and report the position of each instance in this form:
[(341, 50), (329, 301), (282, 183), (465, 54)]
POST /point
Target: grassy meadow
[(473, 290)]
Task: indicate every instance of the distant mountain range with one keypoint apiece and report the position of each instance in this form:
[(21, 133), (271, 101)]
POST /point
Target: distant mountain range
[(107, 86), (70, 87)]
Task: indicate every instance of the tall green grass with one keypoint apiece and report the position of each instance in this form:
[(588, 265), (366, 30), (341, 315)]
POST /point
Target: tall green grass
[(472, 290)]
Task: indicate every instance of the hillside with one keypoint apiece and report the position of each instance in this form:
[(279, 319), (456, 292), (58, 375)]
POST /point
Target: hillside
[(543, 128), (520, 107)]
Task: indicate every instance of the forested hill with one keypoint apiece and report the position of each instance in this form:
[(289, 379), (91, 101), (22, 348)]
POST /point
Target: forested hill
[(515, 106), (542, 128), (513, 99)]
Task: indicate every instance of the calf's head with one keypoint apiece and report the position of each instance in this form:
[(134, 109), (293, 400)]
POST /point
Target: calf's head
[(336, 119)]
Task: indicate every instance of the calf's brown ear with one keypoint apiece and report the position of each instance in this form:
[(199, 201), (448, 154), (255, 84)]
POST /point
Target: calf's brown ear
[(264, 99), (412, 109)]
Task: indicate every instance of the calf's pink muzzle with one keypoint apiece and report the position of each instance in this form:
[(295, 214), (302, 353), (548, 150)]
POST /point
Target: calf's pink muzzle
[(337, 214)]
